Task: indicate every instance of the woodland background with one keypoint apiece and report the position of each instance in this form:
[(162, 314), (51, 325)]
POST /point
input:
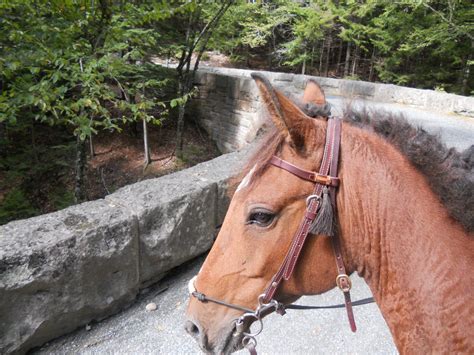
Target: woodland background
[(85, 109)]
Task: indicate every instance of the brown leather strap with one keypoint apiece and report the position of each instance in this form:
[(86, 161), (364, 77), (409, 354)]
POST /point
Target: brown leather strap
[(343, 281), (305, 174), (251, 349), (288, 265), (327, 176)]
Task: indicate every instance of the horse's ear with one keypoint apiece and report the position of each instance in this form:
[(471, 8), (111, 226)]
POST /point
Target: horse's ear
[(313, 93), (286, 116)]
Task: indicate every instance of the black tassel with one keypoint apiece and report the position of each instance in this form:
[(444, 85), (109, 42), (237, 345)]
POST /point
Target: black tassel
[(324, 222)]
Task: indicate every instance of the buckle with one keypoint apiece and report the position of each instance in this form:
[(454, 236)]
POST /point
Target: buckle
[(312, 197), (343, 282)]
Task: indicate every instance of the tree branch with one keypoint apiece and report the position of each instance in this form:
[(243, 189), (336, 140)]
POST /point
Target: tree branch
[(205, 31), (445, 19), (215, 20)]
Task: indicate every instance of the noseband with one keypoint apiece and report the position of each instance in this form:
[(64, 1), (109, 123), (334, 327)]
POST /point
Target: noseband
[(326, 181)]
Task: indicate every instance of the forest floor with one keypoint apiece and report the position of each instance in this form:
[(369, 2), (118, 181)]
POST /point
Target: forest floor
[(119, 158), (40, 179)]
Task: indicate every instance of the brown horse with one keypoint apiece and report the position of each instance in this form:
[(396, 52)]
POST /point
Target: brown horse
[(394, 231)]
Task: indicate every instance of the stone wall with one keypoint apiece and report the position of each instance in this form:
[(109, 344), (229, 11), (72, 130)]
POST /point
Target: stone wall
[(62, 270), (228, 103)]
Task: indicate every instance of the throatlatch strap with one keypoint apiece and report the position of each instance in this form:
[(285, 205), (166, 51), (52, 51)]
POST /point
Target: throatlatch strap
[(342, 280)]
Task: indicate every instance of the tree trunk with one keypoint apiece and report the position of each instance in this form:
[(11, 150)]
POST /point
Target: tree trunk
[(372, 64), (180, 130), (33, 142), (355, 61), (303, 69), (348, 59), (466, 72), (79, 191), (3, 137), (91, 146), (195, 43), (146, 147), (328, 55), (321, 55), (339, 58)]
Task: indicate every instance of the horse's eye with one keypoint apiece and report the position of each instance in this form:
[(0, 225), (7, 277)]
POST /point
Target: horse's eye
[(262, 218)]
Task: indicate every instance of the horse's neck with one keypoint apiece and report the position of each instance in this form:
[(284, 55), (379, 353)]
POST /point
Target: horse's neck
[(397, 235)]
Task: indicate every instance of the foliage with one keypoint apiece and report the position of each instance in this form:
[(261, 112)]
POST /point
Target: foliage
[(190, 42), (79, 66), (421, 43), (15, 205)]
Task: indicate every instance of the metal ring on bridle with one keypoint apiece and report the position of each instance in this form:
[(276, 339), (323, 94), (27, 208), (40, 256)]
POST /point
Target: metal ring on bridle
[(261, 298), (312, 197), (241, 320)]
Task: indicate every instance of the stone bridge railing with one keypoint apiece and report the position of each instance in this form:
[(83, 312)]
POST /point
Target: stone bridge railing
[(228, 103), (61, 270)]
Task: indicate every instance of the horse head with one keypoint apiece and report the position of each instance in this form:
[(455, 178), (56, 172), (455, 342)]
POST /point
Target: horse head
[(262, 218)]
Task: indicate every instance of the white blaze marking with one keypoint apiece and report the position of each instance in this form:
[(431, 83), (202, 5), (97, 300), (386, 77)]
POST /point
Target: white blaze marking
[(246, 180), (191, 287)]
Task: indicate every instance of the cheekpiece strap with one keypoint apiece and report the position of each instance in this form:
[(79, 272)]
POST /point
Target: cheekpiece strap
[(327, 176)]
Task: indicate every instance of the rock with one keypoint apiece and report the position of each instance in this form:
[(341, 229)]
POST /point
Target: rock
[(178, 214), (88, 327), (150, 307), (61, 270)]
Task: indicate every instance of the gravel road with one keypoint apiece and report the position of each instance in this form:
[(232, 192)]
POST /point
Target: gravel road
[(455, 130), (136, 331)]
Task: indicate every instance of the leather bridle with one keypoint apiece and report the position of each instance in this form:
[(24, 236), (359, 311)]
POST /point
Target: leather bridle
[(326, 178)]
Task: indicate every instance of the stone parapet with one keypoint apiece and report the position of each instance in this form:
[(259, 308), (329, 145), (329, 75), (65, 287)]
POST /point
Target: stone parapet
[(228, 103), (65, 269)]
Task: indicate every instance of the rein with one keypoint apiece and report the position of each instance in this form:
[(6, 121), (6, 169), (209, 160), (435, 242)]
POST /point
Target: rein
[(321, 202)]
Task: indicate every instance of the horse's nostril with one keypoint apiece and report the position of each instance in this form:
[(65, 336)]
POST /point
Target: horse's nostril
[(192, 328), (198, 334)]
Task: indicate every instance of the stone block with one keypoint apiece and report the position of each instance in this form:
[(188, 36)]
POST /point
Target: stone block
[(222, 81), (439, 101), (247, 85), (61, 270), (464, 105), (245, 105), (410, 96), (177, 214), (299, 82), (233, 89), (201, 78), (275, 77), (352, 88)]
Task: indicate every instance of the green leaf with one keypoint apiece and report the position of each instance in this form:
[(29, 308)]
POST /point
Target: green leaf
[(174, 103)]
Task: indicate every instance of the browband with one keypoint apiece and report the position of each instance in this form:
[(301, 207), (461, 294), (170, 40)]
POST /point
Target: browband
[(305, 174)]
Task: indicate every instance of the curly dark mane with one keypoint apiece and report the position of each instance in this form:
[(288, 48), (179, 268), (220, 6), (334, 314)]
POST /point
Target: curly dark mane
[(449, 173)]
